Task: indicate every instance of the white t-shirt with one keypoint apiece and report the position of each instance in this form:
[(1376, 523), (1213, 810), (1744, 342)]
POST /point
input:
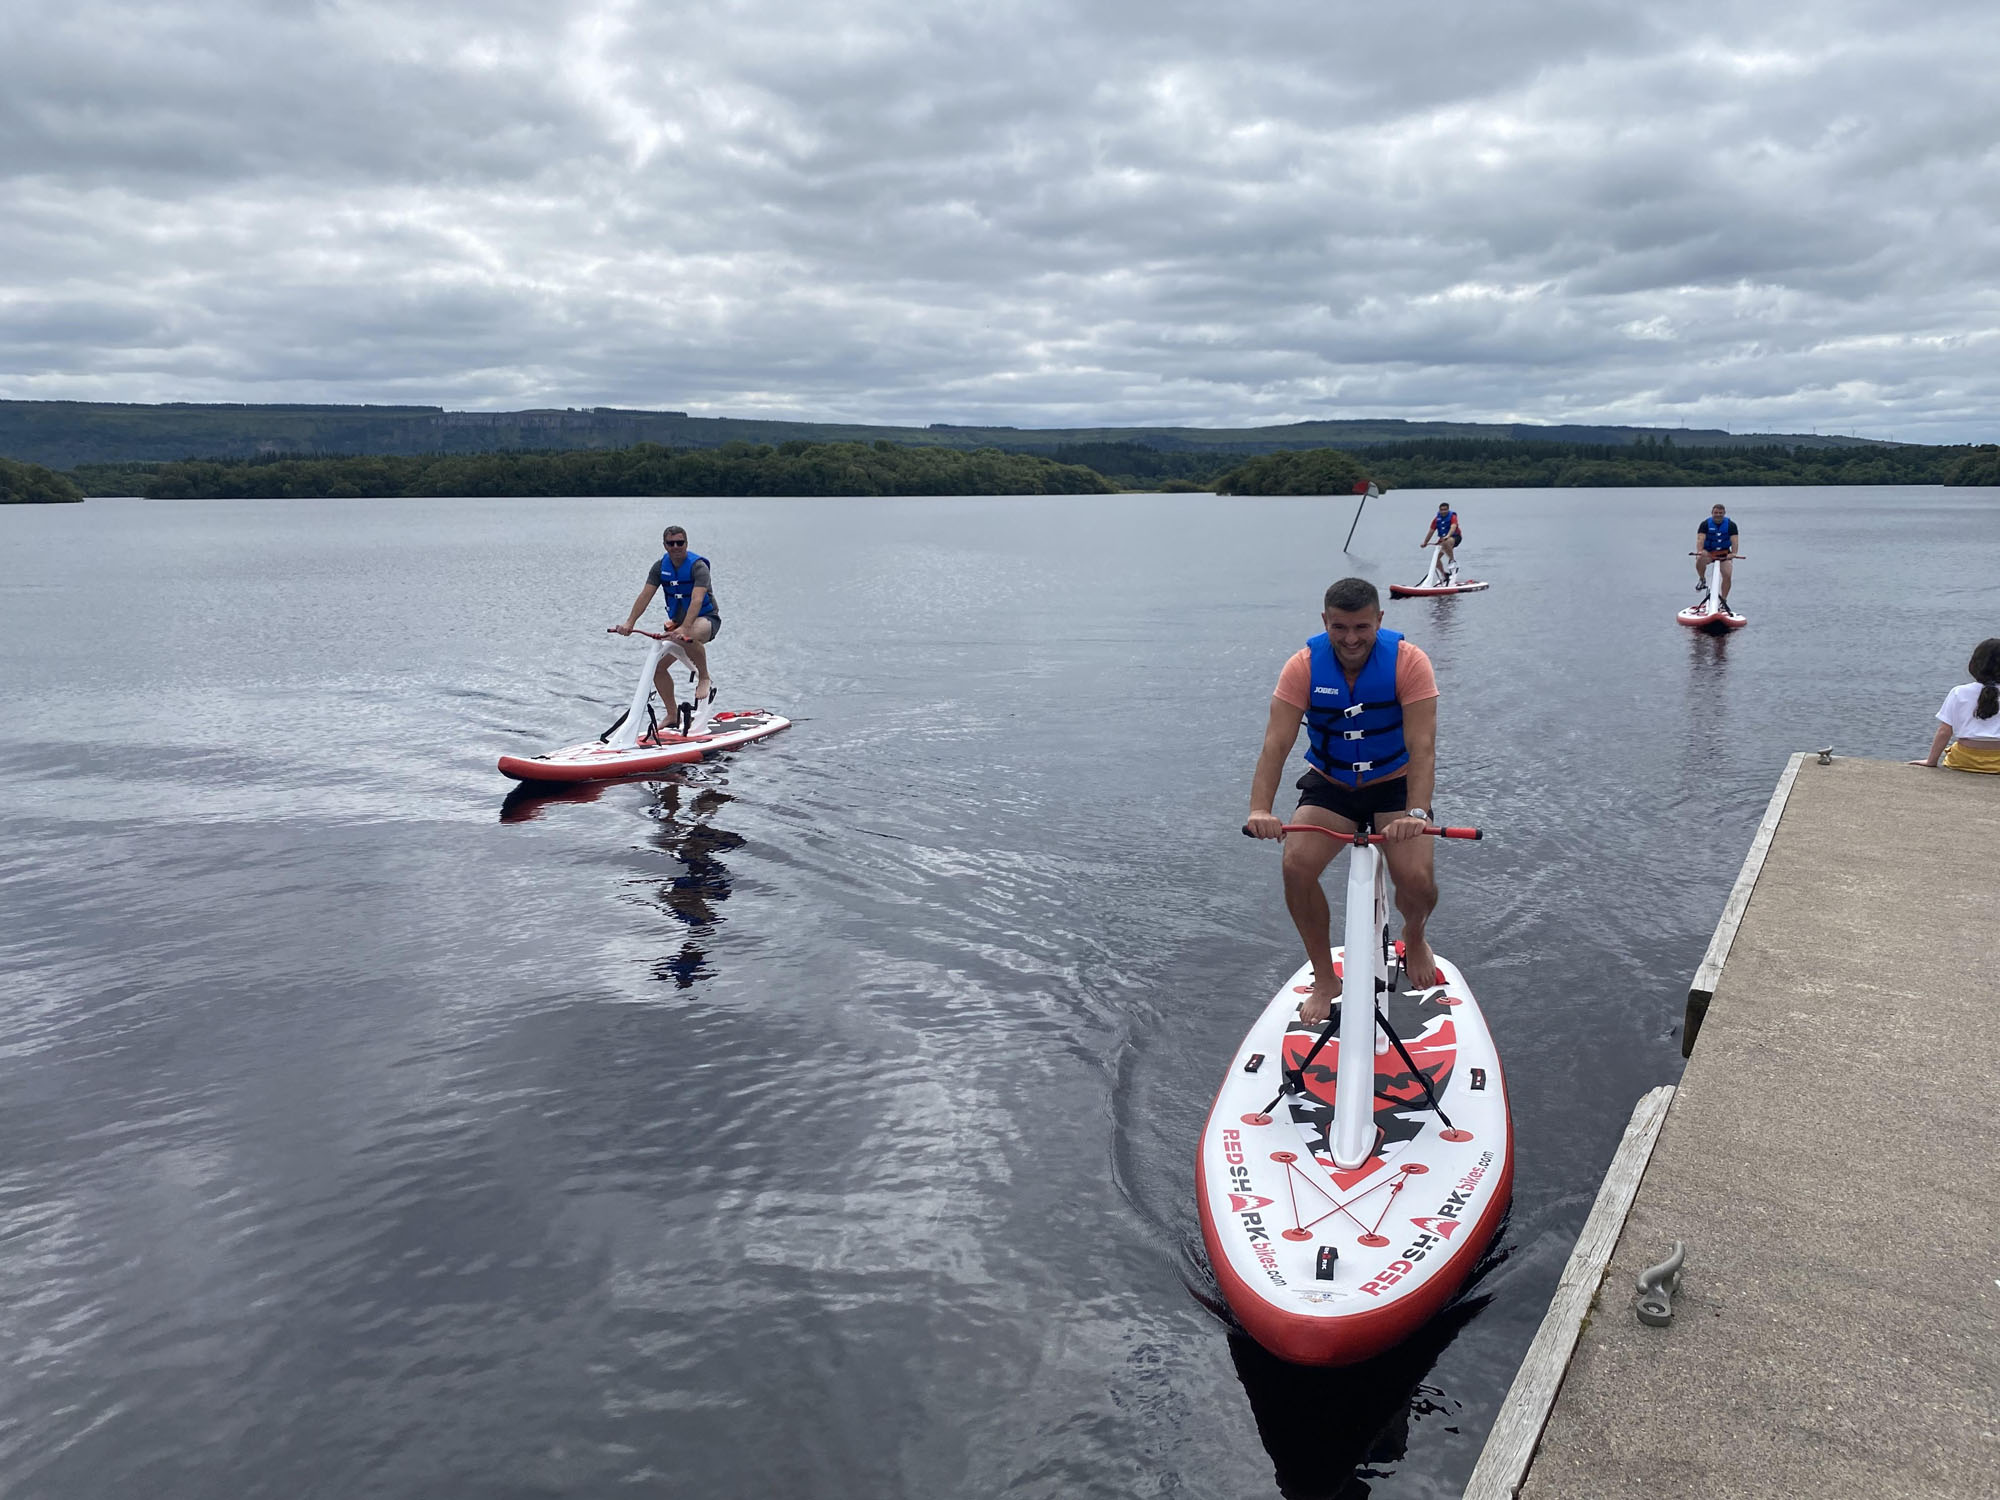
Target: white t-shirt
[(1959, 706)]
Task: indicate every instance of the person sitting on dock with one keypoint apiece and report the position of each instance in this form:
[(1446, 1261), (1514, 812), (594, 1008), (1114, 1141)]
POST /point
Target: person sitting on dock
[(1968, 732), (692, 618), (1444, 526), (1369, 703), (1715, 541)]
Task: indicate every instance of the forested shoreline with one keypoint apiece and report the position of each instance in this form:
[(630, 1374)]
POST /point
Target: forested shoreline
[(31, 484), (1479, 464), (793, 468), (885, 468)]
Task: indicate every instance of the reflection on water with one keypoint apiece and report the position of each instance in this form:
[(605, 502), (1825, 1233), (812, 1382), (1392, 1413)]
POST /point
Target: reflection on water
[(683, 813), (526, 802), (1329, 1432), (687, 830)]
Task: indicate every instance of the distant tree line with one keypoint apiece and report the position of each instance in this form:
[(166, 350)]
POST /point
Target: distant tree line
[(799, 467), (1308, 471), (1980, 466), (1139, 466), (31, 484), (791, 468), (1485, 464)]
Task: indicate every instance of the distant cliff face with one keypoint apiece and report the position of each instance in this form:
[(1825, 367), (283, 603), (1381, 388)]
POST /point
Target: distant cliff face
[(63, 434)]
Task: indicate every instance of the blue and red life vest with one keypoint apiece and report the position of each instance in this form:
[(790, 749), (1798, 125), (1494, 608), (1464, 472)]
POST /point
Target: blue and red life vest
[(678, 585), (1446, 524), (1355, 733)]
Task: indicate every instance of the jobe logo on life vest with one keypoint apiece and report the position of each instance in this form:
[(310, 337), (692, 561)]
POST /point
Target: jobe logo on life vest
[(1436, 1229)]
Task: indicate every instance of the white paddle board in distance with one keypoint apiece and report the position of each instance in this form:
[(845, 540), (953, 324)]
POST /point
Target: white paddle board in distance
[(1418, 591), (1329, 1267), (1437, 581)]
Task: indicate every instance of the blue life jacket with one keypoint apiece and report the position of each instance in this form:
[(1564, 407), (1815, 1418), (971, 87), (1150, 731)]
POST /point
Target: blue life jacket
[(1447, 524), (1355, 732), (679, 586), (1715, 534)]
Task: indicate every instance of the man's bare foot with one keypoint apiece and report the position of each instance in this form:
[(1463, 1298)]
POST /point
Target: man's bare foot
[(703, 691), (1420, 967), (1319, 1004)]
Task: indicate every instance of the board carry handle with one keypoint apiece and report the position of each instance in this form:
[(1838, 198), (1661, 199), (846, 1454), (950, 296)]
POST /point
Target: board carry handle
[(1348, 838)]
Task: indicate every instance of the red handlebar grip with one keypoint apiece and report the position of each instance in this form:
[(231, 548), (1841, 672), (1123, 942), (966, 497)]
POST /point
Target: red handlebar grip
[(1456, 833)]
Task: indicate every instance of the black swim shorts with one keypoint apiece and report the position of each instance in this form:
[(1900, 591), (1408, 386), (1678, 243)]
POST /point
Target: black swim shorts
[(714, 624), (1360, 805)]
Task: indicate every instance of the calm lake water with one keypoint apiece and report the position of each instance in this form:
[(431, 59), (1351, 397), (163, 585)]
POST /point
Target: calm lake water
[(820, 1122)]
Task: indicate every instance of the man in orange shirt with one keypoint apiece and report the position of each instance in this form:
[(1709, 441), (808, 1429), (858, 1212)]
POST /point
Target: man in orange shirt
[(1368, 699)]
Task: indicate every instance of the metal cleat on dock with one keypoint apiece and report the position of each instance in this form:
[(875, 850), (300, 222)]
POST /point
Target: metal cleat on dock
[(1657, 1285)]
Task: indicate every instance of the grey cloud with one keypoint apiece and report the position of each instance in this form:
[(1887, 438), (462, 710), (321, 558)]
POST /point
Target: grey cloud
[(1030, 213)]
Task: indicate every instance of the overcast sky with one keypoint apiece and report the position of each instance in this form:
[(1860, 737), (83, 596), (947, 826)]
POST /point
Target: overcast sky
[(1721, 214)]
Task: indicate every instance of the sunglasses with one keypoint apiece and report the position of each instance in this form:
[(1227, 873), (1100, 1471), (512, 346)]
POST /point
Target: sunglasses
[(679, 541)]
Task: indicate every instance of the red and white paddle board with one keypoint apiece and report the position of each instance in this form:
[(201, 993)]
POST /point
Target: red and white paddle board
[(1714, 621), (1418, 591), (1330, 1267), (598, 760)]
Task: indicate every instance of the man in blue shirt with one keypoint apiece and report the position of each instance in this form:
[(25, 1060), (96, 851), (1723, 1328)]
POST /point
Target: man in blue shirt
[(692, 618), (1715, 541)]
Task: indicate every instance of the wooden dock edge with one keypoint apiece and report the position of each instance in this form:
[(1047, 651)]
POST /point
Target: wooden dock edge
[(1517, 1430), (1702, 990)]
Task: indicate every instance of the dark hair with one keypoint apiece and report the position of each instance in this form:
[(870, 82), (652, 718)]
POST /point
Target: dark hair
[(671, 530), (1352, 594), (1985, 670)]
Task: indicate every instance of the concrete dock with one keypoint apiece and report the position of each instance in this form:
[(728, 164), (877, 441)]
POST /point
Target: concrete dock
[(1831, 1161)]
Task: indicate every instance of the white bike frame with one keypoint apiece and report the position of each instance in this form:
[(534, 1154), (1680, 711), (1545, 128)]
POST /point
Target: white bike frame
[(1711, 583), (1437, 577), (627, 734), (1367, 959)]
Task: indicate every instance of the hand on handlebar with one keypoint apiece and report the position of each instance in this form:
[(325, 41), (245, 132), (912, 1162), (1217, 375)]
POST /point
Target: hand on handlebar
[(1264, 826), (625, 629), (1401, 827)]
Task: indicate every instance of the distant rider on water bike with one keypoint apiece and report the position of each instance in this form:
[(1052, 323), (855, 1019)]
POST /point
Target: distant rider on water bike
[(1444, 526), (692, 618), (1715, 541)]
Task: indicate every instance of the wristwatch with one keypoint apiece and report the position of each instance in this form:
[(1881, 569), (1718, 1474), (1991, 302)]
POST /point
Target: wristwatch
[(1417, 812)]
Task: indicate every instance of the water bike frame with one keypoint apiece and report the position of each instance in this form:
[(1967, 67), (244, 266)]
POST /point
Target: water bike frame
[(1710, 608), (1436, 577), (632, 724), (1366, 965)]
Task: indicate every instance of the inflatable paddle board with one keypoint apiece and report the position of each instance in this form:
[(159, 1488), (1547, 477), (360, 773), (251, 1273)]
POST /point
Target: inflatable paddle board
[(598, 760), (1330, 1251), (1418, 591), (1708, 614), (634, 745), (1437, 582)]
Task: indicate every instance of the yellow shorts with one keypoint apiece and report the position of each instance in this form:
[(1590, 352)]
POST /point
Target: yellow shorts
[(1963, 757)]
